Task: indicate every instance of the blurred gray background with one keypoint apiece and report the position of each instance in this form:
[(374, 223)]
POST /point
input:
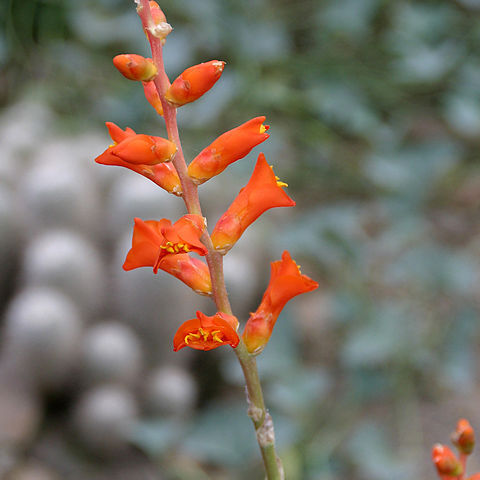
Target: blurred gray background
[(374, 108)]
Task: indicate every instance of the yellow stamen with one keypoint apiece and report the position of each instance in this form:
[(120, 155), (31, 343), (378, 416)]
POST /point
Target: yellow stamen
[(204, 333), (280, 183), (262, 129), (191, 337), (215, 336)]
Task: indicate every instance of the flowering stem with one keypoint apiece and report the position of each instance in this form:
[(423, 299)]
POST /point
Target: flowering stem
[(257, 412), (463, 461)]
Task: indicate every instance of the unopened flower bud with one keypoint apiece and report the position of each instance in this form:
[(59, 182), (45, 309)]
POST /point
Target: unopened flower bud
[(152, 96), (194, 82), (135, 67), (157, 14), (445, 461), (464, 437)]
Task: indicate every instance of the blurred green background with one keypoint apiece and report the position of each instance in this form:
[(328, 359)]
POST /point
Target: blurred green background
[(374, 108)]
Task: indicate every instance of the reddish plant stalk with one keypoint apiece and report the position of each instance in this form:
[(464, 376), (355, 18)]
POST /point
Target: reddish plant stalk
[(257, 412)]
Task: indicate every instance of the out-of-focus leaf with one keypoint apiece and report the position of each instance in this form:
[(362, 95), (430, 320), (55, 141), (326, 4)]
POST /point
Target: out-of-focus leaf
[(370, 450), (222, 435)]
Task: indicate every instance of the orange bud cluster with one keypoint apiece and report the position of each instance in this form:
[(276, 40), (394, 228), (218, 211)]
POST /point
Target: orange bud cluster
[(464, 437), (448, 465), (135, 67), (226, 149), (194, 82)]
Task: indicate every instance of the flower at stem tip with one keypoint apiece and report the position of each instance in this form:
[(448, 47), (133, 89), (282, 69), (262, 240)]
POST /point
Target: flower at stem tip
[(464, 437), (194, 82), (263, 191), (163, 246), (445, 461), (286, 282), (226, 149), (163, 174), (206, 333)]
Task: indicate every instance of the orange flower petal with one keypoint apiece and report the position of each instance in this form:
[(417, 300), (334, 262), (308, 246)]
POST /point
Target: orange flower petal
[(150, 248), (206, 333), (261, 193), (286, 282)]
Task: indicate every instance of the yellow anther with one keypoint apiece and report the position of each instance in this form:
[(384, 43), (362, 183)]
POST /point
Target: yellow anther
[(215, 336), (191, 336), (262, 129), (186, 248), (170, 250), (280, 183), (204, 333)]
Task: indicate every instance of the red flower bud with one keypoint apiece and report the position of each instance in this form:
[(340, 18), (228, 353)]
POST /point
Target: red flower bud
[(262, 192), (135, 67), (286, 282), (194, 82), (226, 149), (163, 174), (206, 333), (152, 96), (464, 437), (445, 461)]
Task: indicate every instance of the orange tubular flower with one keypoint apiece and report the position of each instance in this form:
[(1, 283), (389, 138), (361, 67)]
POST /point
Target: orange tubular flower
[(286, 282), (152, 96), (262, 192), (194, 82), (226, 149), (445, 461), (464, 437), (163, 246), (135, 67), (163, 174), (206, 333)]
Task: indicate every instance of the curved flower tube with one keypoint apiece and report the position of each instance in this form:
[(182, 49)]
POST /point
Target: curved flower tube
[(262, 192), (206, 333), (163, 174), (194, 82), (226, 149), (286, 282)]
